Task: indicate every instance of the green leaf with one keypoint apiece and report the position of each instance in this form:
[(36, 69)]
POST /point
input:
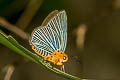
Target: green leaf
[(11, 43)]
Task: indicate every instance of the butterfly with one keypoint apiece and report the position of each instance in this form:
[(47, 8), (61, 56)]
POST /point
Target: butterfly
[(50, 39)]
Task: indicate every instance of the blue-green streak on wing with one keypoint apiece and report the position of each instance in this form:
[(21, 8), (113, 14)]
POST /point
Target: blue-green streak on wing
[(59, 24)]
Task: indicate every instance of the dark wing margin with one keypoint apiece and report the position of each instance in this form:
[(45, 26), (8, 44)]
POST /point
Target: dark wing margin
[(49, 17)]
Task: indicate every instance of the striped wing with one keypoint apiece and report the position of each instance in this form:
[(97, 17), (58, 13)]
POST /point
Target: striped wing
[(51, 37), (59, 24)]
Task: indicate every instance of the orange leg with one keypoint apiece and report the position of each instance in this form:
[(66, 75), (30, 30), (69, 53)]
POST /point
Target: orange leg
[(63, 68)]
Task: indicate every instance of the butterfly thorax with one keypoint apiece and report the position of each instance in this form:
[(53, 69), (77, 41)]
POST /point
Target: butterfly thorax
[(56, 57)]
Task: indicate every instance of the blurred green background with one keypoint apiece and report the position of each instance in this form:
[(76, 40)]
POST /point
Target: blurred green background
[(100, 58)]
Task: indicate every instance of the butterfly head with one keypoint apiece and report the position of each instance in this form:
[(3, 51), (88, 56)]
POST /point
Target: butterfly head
[(64, 57)]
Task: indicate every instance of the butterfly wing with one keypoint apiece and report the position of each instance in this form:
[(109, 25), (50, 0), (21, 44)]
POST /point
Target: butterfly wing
[(59, 24), (51, 37)]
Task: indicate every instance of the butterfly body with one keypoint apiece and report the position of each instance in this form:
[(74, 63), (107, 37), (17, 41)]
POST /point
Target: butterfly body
[(49, 40)]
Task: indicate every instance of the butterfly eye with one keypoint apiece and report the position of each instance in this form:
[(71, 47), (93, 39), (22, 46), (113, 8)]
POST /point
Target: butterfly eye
[(64, 58)]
